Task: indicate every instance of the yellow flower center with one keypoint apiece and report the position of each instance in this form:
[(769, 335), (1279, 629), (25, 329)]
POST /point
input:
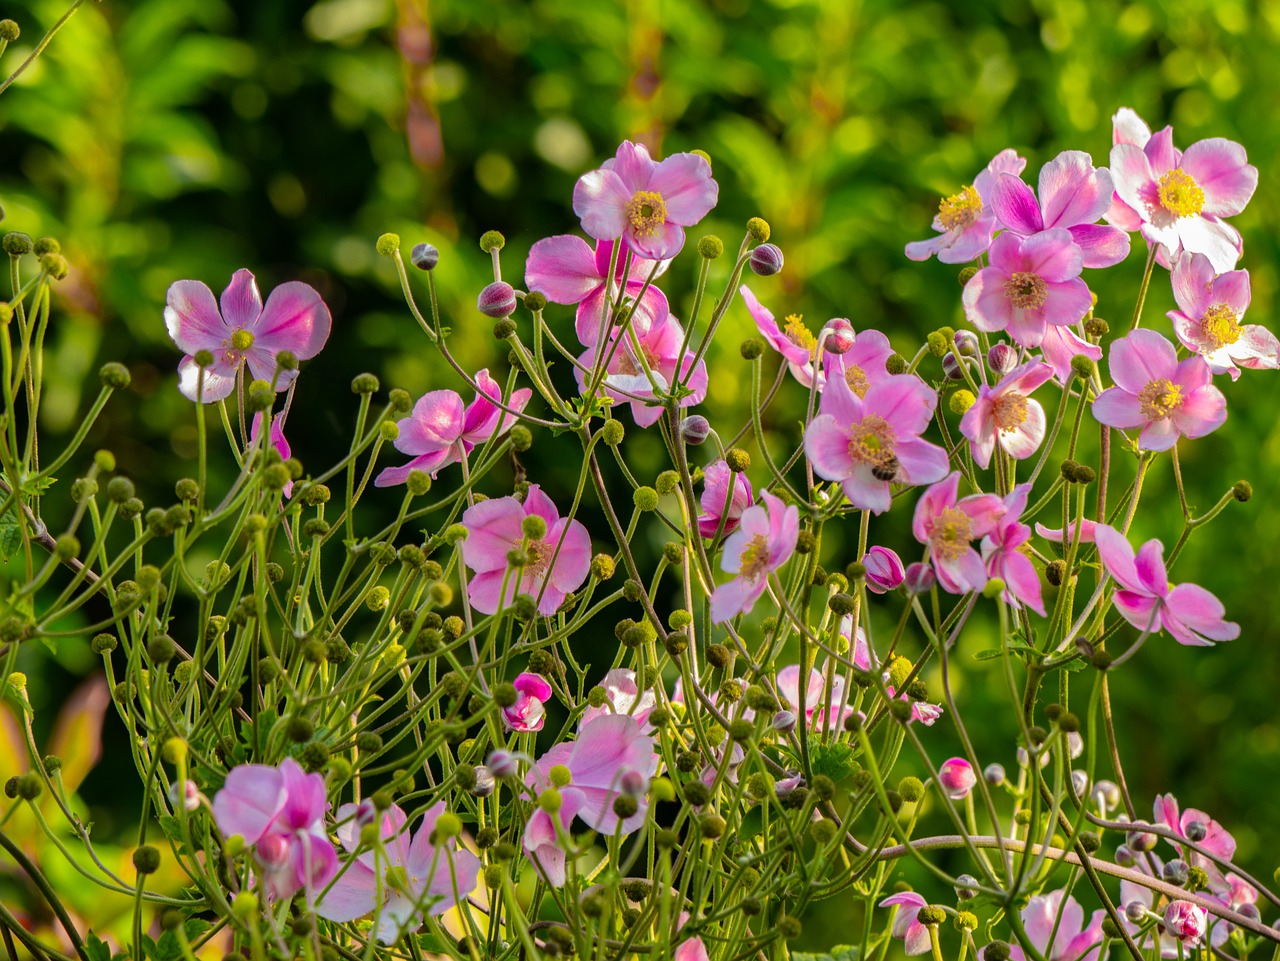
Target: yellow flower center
[(1009, 412), (539, 553), (959, 210), (951, 534), (754, 559), (800, 335), (871, 442), (1180, 194), (856, 378), (646, 212), (1159, 399), (1220, 325), (241, 340), (1026, 291)]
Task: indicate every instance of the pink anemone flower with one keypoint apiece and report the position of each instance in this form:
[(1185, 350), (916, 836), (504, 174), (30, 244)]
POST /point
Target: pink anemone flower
[(277, 441), (966, 220), (867, 442), (797, 344), (861, 365), (1073, 195), (956, 778), (279, 811), (948, 524), (527, 713), (428, 877), (1208, 319), (622, 695), (294, 319), (906, 924), (716, 502), (764, 541), (440, 431), (1002, 550), (1055, 924), (556, 563), (1006, 415), (566, 271), (823, 705), (1145, 598), (1082, 531), (659, 346), (1167, 399), (1217, 840), (647, 204)]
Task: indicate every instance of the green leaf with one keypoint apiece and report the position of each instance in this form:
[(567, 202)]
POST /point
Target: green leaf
[(834, 760), (95, 949), (841, 952), (10, 534)]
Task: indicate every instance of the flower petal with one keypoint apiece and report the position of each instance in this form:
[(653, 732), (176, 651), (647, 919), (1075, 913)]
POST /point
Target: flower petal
[(562, 269)]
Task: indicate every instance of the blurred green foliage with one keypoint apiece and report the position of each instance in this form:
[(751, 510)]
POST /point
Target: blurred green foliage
[(166, 139)]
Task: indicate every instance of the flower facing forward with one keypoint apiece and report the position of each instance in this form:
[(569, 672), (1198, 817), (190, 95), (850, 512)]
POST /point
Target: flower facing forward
[(440, 430), (1145, 598), (407, 878), (1155, 392), (1058, 930), (242, 332), (1006, 415), (279, 811), (642, 366), (645, 203), (1208, 319), (554, 563), (765, 539), (948, 524), (716, 501), (965, 220)]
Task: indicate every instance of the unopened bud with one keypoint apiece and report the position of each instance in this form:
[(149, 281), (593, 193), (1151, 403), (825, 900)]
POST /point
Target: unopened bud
[(840, 336), (766, 260), (919, 578), (498, 300), (966, 343), (695, 429), (424, 256)]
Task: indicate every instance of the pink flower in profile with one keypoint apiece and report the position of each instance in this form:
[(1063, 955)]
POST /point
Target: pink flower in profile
[(966, 220), (1057, 929), (716, 502), (622, 695), (424, 880), (1145, 598), (1187, 922), (279, 811), (1177, 198), (659, 346), (527, 713), (440, 431), (1006, 415), (1167, 399), (566, 271), (884, 570), (277, 441), (794, 341), (557, 562), (906, 924), (1060, 345), (1208, 319), (921, 711), (647, 204), (1082, 530), (1033, 283), (867, 442), (956, 777), (1215, 839), (948, 524), (764, 541), (822, 705), (243, 332), (1002, 552)]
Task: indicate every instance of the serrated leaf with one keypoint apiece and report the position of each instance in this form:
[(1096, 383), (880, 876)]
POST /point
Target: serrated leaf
[(987, 655), (95, 949), (10, 534), (834, 760)]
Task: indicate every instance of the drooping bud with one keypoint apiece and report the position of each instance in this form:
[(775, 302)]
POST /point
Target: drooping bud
[(1197, 831), (994, 774), (1175, 872), (1141, 840), (766, 260), (966, 887), (1002, 358), (951, 366), (498, 300), (784, 722), (1135, 911)]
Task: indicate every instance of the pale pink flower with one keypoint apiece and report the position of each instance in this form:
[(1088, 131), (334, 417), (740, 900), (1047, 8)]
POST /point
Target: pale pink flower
[(647, 204), (884, 570), (691, 949), (425, 878), (921, 711), (527, 713), (716, 502), (557, 563), (1006, 415), (797, 344), (622, 695), (956, 777), (822, 705), (294, 319), (1208, 319), (1062, 344), (659, 346), (948, 524), (1081, 530), (1217, 840), (862, 365), (279, 811), (1057, 929), (1186, 921), (764, 541), (906, 924), (277, 441), (566, 271), (1145, 598), (1167, 399), (1002, 552), (440, 431), (966, 220), (1073, 195), (867, 442)]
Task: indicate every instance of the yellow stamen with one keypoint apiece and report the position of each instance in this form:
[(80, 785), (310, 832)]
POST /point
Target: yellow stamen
[(871, 442), (1220, 325), (1026, 291), (646, 212), (800, 335), (241, 340), (856, 378), (1159, 399), (754, 559), (951, 534), (1180, 194), (959, 210), (1009, 412)]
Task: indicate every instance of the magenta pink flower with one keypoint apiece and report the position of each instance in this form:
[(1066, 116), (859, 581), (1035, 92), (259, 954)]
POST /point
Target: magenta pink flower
[(244, 332), (966, 220), (1006, 415), (1167, 399), (1178, 198), (622, 695), (1057, 929), (1217, 840), (956, 777), (716, 502), (527, 713), (279, 811), (557, 563), (1187, 922), (764, 541), (906, 924), (948, 525), (691, 949), (884, 570), (1082, 530), (1033, 283), (645, 203), (1208, 319), (440, 431), (1073, 195), (1002, 552), (1145, 598), (867, 442), (566, 271), (862, 365), (797, 344), (425, 877), (659, 345), (277, 441), (822, 706)]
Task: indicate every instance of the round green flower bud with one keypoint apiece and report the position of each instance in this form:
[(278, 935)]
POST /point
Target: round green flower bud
[(841, 604), (114, 375), (611, 432), (718, 655), (29, 786), (1083, 366), (533, 527), (790, 928), (823, 832), (901, 710), (758, 228), (1055, 572), (995, 951), (162, 650), (967, 274), (938, 344), (931, 914), (66, 547), (805, 542), (203, 358), (16, 244), (673, 552), (739, 460), (645, 499), (602, 567), (120, 489), (448, 825), (400, 400), (695, 792), (632, 591), (741, 730), (364, 384), (299, 729), (668, 482), (712, 826), (9, 31), (1242, 491), (146, 859), (710, 247), (387, 244), (103, 643), (896, 364), (521, 438), (46, 245), (534, 301), (550, 801), (911, 789), (492, 240), (961, 401), (504, 328), (1070, 723), (1096, 328), (751, 348)]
